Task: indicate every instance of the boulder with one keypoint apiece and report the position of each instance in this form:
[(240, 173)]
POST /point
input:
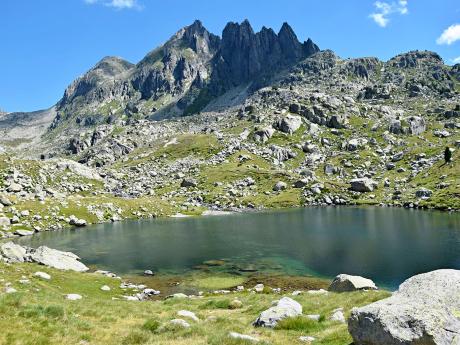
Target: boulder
[(425, 310), (5, 201), (352, 145), (423, 193), (279, 186), (188, 182), (262, 135), (13, 252), (363, 185), (57, 259), (289, 124), (346, 282), (338, 316), (417, 125), (4, 222), (286, 307), (395, 127), (21, 232), (14, 188), (337, 121)]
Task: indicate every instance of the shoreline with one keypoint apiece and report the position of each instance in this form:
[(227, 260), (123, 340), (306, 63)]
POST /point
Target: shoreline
[(226, 212)]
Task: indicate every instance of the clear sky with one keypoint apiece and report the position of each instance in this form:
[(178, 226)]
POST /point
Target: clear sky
[(45, 44)]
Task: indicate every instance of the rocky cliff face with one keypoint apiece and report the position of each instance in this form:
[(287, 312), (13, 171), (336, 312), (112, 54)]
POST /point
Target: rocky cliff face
[(182, 76), (245, 55)]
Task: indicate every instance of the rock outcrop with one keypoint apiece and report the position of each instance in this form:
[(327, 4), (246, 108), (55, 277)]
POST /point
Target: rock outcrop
[(14, 253), (425, 310)]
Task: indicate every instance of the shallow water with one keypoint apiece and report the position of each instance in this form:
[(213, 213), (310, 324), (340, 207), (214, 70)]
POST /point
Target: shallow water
[(385, 244)]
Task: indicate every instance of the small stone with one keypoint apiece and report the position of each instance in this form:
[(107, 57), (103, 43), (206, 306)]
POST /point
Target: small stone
[(280, 186), (105, 288), (259, 288), (245, 337), (235, 304), (73, 297), (338, 316), (180, 323), (42, 275), (188, 314), (306, 339), (10, 290)]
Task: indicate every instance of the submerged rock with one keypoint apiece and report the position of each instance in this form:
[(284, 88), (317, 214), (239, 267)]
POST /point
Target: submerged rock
[(425, 310), (286, 307)]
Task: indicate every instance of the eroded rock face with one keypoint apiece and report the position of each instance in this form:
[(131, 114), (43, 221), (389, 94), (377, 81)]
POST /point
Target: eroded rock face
[(286, 307), (346, 282), (424, 311)]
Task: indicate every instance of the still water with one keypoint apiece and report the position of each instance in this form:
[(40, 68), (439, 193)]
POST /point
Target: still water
[(387, 245)]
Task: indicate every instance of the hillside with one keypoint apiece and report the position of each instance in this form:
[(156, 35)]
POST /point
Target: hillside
[(271, 122)]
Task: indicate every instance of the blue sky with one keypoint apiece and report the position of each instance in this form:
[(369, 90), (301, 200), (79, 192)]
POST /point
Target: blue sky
[(45, 44)]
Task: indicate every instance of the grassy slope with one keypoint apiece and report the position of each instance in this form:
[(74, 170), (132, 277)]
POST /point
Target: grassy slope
[(39, 314)]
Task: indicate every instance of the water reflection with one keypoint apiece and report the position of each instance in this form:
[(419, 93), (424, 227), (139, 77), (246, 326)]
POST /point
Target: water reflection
[(385, 244)]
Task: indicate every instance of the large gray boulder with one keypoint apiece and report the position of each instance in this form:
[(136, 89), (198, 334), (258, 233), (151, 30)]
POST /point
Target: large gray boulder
[(57, 259), (417, 125), (13, 252), (346, 282), (286, 307), (363, 185), (424, 311), (289, 124), (262, 135)]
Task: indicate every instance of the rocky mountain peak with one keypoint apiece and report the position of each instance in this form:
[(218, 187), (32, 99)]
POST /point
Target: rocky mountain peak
[(112, 65), (196, 37), (245, 54), (290, 45)]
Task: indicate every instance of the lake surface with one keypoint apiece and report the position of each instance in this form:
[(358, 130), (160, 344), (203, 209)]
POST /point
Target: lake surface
[(385, 244)]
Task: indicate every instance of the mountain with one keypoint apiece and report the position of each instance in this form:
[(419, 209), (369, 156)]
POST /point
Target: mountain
[(182, 76)]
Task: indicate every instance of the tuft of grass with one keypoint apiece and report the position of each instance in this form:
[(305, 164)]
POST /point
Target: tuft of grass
[(135, 337), (151, 325), (300, 323), (216, 304)]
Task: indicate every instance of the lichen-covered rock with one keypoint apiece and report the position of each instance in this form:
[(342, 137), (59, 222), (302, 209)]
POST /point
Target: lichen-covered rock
[(289, 124), (346, 282), (57, 259), (424, 311)]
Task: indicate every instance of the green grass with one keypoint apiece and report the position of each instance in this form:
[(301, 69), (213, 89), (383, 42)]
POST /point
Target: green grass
[(39, 314)]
